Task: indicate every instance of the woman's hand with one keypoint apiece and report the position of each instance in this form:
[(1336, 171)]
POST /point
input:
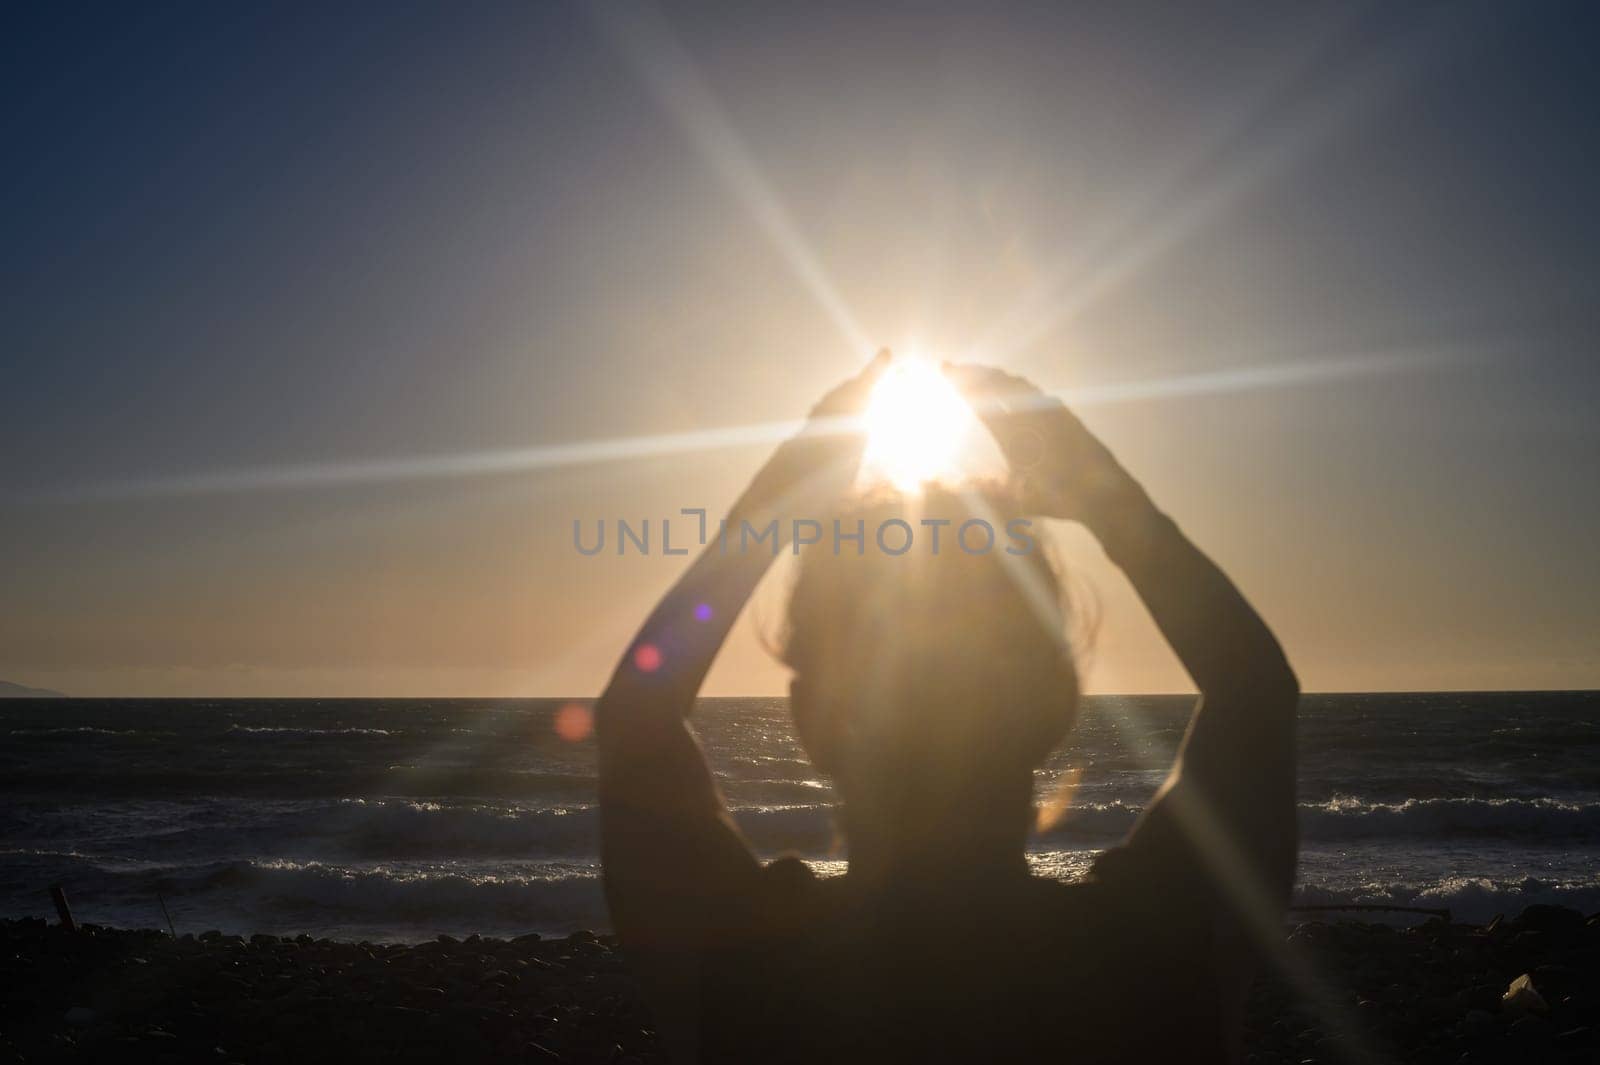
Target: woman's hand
[(820, 462), (1062, 469)]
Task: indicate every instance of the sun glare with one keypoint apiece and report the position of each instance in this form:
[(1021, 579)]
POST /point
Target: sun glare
[(917, 426)]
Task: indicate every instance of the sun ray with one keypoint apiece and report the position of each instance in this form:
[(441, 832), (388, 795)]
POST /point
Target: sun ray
[(466, 464), (669, 72), (510, 461), (1175, 208), (1257, 913), (1251, 377)]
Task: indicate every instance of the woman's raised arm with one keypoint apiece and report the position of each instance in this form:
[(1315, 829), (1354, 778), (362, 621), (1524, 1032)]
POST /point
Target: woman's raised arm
[(1228, 805), (676, 868)]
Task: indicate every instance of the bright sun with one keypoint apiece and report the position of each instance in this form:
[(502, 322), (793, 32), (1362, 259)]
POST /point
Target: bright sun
[(917, 426)]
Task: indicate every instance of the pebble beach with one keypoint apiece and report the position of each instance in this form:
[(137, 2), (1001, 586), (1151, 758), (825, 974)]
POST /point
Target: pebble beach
[(1523, 989)]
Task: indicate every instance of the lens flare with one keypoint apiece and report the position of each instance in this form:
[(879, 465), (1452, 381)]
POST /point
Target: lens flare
[(647, 657), (917, 426), (574, 722)]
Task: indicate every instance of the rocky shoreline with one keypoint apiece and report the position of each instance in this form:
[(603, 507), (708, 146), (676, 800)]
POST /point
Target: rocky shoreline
[(1436, 992)]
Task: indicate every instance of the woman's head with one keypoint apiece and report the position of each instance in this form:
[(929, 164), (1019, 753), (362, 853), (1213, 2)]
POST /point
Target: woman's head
[(931, 679)]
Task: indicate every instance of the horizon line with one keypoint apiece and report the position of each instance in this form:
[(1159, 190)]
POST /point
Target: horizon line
[(58, 697)]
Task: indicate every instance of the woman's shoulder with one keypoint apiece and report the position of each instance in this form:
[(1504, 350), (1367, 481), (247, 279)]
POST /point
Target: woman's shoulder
[(788, 873), (791, 894)]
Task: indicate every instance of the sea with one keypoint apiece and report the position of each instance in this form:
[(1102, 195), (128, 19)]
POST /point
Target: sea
[(393, 819)]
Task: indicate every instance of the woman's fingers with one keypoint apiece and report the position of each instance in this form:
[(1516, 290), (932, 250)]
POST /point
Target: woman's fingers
[(985, 382), (1004, 402), (1061, 466), (822, 457), (995, 394), (851, 396), (1032, 428)]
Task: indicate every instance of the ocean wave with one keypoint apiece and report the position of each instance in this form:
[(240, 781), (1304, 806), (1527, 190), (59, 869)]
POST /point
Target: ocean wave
[(1468, 898), (24, 859), (46, 852), (394, 829), (286, 894), (86, 730), (571, 899), (378, 828), (549, 827), (1345, 817), (777, 793), (411, 830), (281, 730), (419, 898), (1349, 817), (563, 822), (410, 781)]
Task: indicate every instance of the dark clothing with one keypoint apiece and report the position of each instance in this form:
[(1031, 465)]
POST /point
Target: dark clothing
[(1122, 967)]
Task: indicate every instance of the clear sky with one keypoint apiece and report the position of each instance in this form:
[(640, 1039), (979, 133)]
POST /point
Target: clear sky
[(303, 306)]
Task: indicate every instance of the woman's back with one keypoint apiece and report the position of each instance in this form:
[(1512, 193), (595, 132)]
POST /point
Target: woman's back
[(1108, 970)]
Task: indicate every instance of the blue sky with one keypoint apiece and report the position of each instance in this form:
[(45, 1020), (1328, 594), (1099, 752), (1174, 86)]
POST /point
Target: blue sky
[(1325, 279)]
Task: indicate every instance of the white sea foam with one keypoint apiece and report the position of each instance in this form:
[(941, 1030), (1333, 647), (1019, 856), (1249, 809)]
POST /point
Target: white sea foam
[(276, 730)]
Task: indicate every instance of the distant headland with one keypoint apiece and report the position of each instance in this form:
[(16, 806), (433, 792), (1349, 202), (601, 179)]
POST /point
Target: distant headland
[(9, 690)]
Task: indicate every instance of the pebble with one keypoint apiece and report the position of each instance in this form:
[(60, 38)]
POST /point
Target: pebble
[(1522, 997)]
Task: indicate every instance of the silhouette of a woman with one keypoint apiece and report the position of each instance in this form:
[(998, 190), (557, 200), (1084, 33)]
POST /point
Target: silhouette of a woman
[(928, 687)]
